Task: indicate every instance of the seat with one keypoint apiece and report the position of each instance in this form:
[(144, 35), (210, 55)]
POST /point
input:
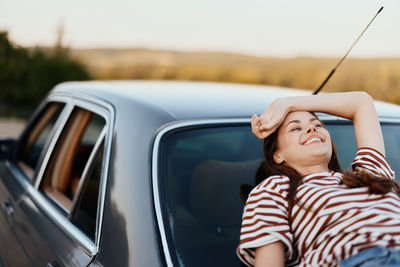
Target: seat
[(211, 226), (215, 191)]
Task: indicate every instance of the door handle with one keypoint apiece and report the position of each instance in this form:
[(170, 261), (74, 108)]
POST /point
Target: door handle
[(8, 207)]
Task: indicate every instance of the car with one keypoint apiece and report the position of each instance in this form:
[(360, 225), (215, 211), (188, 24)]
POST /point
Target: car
[(142, 173)]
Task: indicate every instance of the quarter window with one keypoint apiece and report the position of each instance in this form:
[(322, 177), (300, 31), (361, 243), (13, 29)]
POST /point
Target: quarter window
[(84, 216)]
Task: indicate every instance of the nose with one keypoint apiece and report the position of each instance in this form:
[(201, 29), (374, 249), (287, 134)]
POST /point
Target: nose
[(311, 129)]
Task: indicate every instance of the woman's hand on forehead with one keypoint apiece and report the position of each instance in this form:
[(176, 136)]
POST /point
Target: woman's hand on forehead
[(256, 128), (356, 106), (270, 120)]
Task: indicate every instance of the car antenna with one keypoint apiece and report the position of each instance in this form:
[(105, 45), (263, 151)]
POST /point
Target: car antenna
[(348, 51)]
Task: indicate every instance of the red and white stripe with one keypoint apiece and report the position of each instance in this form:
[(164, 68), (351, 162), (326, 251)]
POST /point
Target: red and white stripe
[(329, 223)]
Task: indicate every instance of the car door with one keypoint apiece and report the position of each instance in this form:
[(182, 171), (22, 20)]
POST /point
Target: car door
[(56, 218), (7, 236), (11, 190)]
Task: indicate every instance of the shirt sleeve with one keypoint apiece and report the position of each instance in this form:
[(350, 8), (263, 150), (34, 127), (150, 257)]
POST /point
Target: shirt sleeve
[(372, 161), (265, 220)]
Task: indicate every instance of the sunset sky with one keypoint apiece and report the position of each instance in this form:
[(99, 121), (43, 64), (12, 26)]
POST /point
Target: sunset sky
[(283, 28)]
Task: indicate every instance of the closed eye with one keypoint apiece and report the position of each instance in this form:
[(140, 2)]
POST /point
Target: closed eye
[(295, 129)]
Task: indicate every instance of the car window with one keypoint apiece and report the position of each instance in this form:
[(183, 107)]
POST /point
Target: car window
[(71, 179), (84, 215), (202, 171), (200, 175), (343, 136), (33, 142)]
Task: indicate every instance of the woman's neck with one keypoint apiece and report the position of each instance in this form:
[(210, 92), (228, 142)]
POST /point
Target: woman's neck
[(310, 169)]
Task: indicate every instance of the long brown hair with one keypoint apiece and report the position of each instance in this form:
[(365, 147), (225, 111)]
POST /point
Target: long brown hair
[(376, 185)]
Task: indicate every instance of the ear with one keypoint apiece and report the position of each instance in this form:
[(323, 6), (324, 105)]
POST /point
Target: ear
[(278, 158)]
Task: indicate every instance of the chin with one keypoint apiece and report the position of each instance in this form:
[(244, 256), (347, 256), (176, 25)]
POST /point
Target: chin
[(318, 153)]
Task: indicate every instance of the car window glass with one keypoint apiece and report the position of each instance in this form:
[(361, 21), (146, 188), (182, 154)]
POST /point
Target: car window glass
[(67, 163), (200, 177), (33, 143), (202, 171), (391, 134), (345, 141), (84, 215)]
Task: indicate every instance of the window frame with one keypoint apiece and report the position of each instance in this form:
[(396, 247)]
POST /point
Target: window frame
[(101, 108)]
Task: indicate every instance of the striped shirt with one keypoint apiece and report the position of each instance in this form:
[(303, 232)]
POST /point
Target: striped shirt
[(330, 222)]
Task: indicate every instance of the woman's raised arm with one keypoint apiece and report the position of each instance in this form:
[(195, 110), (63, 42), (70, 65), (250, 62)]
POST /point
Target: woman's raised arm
[(271, 255), (356, 106)]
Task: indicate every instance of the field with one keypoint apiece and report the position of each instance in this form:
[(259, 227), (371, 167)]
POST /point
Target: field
[(378, 76)]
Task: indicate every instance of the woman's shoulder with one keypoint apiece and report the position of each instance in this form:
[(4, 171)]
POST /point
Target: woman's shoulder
[(274, 188), (274, 183), (371, 160)]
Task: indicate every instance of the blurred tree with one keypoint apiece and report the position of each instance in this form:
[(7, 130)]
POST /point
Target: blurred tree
[(27, 76)]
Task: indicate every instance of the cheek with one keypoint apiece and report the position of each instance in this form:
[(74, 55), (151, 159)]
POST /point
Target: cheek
[(328, 142), (288, 143), (328, 136)]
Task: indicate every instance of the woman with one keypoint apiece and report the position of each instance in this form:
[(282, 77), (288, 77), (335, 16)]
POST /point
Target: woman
[(307, 212)]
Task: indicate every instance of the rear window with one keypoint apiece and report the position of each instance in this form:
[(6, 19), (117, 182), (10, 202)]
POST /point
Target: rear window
[(201, 171)]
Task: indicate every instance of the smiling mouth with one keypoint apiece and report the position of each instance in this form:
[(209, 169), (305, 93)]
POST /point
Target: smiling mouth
[(312, 140)]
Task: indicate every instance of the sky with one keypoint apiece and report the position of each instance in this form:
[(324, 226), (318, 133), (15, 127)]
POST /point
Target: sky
[(279, 28)]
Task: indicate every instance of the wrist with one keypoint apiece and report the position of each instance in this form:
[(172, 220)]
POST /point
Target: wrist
[(288, 104)]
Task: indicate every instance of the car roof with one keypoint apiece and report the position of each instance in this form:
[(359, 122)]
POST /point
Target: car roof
[(192, 100)]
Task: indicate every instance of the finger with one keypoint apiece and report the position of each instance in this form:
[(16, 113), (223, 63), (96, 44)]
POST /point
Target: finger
[(266, 126), (256, 131), (256, 127), (259, 134), (271, 124), (263, 134), (254, 123)]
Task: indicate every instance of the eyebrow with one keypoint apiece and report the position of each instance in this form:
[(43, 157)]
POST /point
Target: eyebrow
[(298, 121)]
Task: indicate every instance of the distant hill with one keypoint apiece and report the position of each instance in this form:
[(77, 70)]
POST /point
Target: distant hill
[(378, 76)]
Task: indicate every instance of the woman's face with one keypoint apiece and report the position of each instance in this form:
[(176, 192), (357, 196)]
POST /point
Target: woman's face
[(303, 142)]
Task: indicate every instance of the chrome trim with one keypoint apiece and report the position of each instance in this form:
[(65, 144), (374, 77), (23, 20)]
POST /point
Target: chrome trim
[(389, 120), (330, 118), (49, 147), (110, 119), (55, 201), (155, 169)]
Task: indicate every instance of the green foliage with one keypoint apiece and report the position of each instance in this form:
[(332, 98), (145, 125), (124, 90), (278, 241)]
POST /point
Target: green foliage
[(27, 76)]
